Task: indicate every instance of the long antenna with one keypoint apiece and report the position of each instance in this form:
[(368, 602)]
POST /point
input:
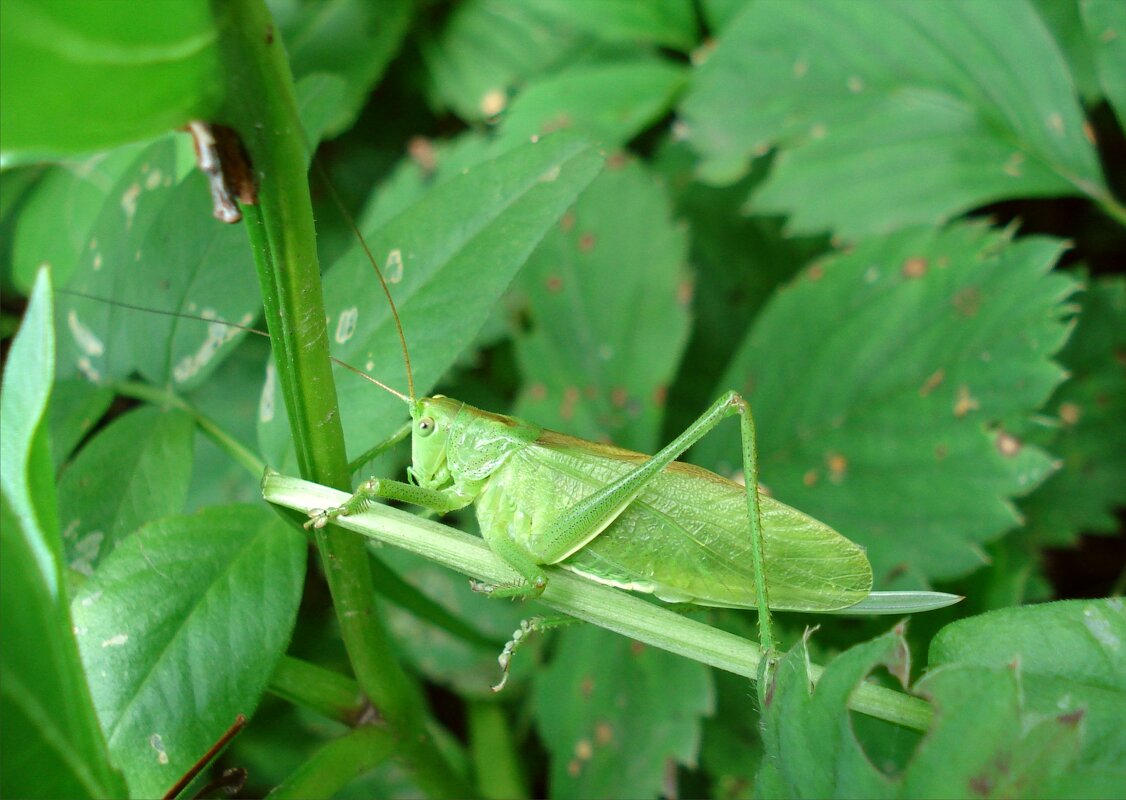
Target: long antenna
[(182, 315), (375, 265)]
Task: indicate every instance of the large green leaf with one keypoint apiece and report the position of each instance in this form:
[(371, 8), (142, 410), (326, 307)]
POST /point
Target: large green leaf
[(54, 226), (999, 730), (611, 733), (609, 102), (891, 114), (50, 738), (1105, 22), (877, 381), (670, 23), (180, 628), (1068, 659), (78, 77), (155, 246), (447, 257), (1091, 407), (588, 372), (487, 48), (337, 51), (811, 749), (738, 261), (1068, 665), (135, 470)]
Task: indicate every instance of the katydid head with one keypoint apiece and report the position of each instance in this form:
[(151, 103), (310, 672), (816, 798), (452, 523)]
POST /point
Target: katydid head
[(432, 419)]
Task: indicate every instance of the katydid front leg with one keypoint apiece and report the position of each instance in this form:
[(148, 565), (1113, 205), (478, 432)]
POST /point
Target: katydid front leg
[(385, 489)]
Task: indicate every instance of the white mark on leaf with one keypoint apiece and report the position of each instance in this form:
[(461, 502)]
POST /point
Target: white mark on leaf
[(86, 339), (129, 203), (346, 325), (266, 403), (153, 180), (157, 744), (1099, 628), (91, 599), (116, 641), (551, 174), (87, 369), (218, 334), (86, 550), (393, 266)]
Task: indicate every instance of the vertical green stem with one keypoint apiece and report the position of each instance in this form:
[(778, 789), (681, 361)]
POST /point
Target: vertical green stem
[(261, 106)]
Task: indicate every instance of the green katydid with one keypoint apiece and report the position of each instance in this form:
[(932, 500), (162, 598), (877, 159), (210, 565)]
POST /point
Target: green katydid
[(649, 524)]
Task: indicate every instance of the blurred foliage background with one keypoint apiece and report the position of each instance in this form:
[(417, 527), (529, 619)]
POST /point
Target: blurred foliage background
[(896, 228)]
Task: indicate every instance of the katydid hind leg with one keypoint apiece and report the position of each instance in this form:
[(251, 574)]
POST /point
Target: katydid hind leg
[(582, 523)]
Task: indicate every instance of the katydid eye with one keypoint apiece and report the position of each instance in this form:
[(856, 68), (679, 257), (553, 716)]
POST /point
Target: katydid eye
[(425, 426)]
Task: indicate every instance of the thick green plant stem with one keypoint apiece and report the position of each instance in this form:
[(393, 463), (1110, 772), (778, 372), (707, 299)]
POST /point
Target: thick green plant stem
[(261, 106), (606, 607)]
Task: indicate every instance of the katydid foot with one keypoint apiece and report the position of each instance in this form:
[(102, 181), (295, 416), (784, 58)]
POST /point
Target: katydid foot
[(520, 635)]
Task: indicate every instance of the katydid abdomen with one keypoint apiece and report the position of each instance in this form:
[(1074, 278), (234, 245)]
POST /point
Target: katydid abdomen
[(686, 538)]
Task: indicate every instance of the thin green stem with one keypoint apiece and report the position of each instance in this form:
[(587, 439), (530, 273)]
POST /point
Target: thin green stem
[(601, 605), (338, 763), (261, 106), (329, 693), (495, 760), (165, 397)]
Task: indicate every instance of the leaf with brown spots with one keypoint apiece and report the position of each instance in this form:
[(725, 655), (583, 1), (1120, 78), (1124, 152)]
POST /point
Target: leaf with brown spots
[(611, 712), (877, 403), (1091, 438), (608, 317)]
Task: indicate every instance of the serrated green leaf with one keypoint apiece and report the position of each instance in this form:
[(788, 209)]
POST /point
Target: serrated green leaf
[(1068, 657), (609, 103), (102, 78), (1091, 482), (810, 747), (984, 743), (892, 114), (738, 262), (135, 470), (156, 247), (488, 47), (345, 44), (876, 379), (587, 372), (670, 23), (612, 712), (1105, 21), (179, 629), (50, 738), (447, 258)]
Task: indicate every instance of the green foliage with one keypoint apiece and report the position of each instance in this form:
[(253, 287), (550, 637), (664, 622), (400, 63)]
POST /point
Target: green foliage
[(51, 740), (598, 215)]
